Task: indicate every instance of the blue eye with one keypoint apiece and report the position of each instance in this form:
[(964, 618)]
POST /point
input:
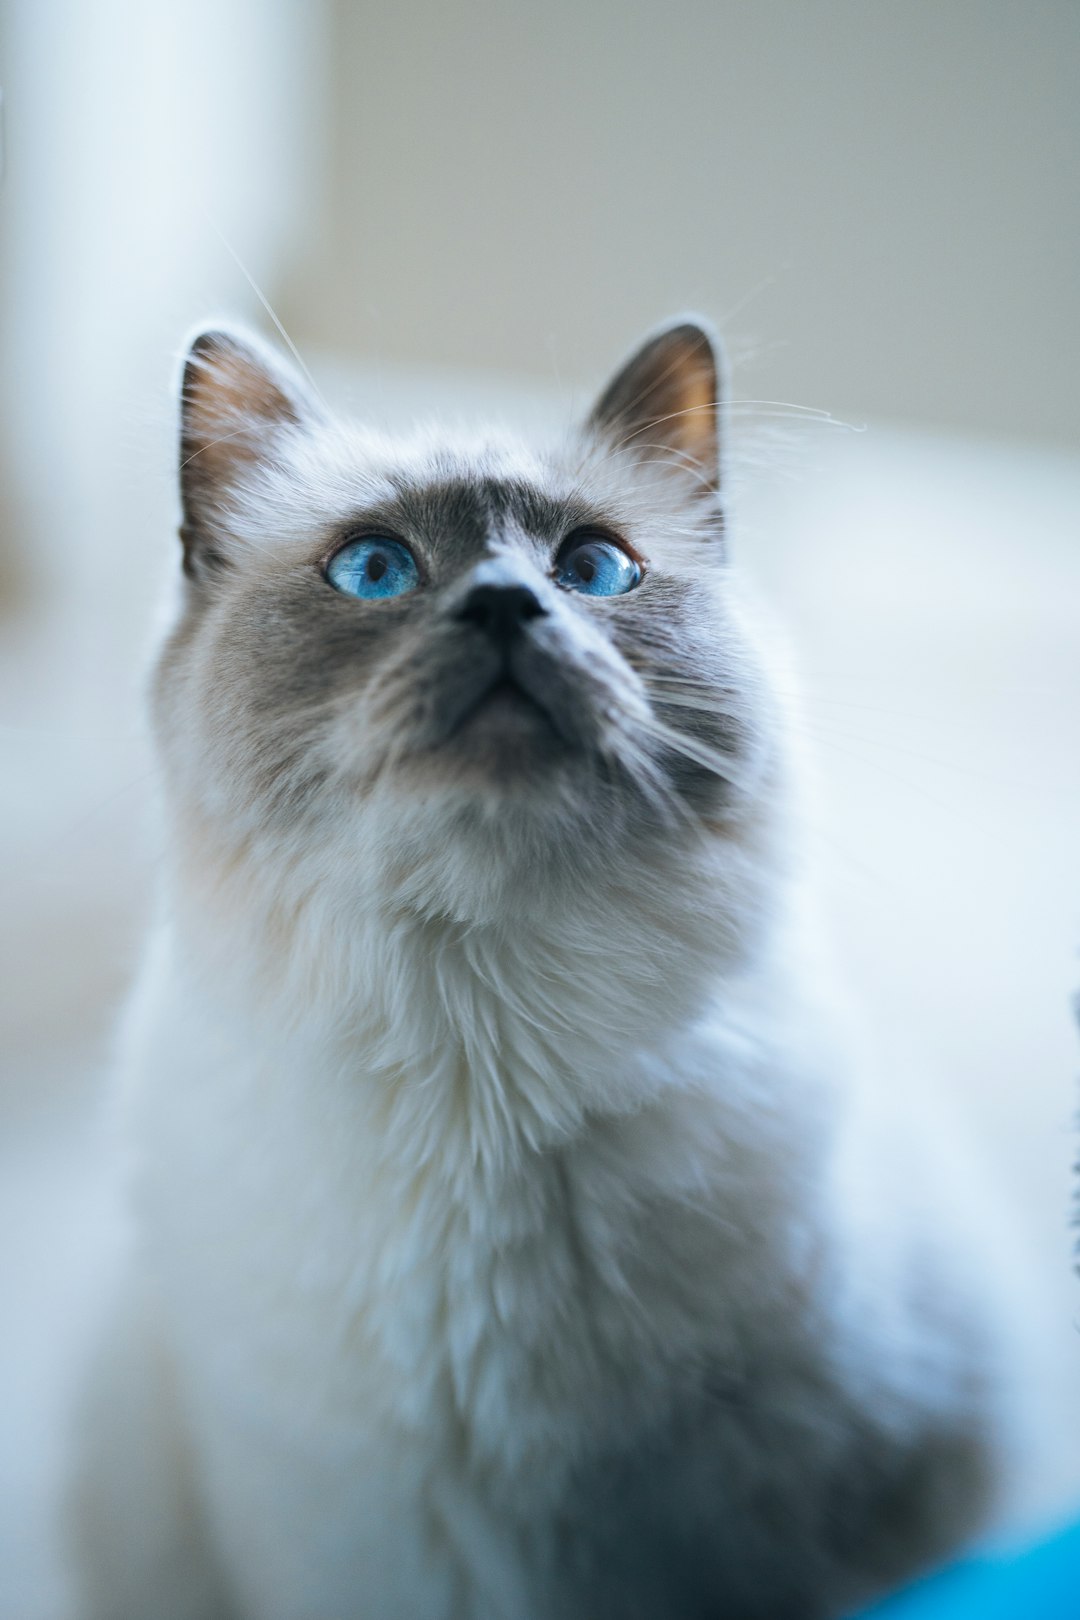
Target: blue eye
[(596, 567), (373, 569)]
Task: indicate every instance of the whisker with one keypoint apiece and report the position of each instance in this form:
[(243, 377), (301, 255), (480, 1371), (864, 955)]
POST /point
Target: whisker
[(814, 413), (665, 454), (915, 788), (648, 777), (681, 700), (266, 304), (722, 765), (817, 726), (237, 433), (687, 682), (658, 421), (747, 298), (777, 407), (653, 385)]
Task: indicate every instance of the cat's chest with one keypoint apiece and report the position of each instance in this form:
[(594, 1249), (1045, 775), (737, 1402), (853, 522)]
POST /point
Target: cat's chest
[(336, 1257), (316, 1281)]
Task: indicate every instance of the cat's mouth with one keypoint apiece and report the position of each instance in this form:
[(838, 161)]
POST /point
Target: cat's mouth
[(507, 702), (507, 715)]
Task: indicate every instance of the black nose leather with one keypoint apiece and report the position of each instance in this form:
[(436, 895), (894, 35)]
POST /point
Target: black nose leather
[(500, 610)]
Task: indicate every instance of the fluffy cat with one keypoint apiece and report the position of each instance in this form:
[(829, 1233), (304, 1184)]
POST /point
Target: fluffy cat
[(512, 1238)]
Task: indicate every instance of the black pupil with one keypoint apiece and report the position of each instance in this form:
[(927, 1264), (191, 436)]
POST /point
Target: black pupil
[(377, 566), (585, 564)]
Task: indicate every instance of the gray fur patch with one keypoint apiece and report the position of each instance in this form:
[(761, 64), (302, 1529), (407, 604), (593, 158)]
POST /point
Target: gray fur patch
[(279, 699)]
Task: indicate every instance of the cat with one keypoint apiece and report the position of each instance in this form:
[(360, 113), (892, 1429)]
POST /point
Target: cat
[(512, 1237)]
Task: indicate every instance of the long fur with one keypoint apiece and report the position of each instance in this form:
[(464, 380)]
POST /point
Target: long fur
[(513, 1237)]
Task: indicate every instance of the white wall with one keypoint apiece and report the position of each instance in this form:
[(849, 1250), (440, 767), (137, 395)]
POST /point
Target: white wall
[(131, 124), (883, 192), (134, 132)]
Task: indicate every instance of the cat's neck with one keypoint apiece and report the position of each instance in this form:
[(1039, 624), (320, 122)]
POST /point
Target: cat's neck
[(507, 1033)]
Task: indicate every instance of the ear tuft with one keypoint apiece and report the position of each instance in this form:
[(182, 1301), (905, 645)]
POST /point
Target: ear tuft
[(235, 396), (667, 402)]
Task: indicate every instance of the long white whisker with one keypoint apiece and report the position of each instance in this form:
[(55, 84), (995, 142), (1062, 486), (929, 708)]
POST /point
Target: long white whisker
[(680, 700), (650, 780), (815, 412), (747, 298), (266, 304), (665, 454), (722, 765), (238, 433)]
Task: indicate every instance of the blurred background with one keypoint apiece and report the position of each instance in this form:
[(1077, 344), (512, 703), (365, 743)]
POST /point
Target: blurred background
[(478, 208)]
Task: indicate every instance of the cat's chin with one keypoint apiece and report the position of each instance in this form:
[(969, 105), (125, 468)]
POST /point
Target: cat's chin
[(507, 711), (504, 751), (505, 741)]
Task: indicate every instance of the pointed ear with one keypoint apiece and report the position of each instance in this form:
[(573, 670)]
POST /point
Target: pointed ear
[(235, 397), (667, 402)]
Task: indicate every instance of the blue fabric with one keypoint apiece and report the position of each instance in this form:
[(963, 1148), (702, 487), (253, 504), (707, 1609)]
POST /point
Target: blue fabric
[(1043, 1584)]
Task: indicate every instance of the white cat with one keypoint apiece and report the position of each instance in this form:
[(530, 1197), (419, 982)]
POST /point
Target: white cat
[(512, 1238)]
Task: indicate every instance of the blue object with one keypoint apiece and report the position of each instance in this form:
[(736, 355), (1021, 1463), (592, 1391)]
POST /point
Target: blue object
[(1042, 1584), (373, 569), (597, 567)]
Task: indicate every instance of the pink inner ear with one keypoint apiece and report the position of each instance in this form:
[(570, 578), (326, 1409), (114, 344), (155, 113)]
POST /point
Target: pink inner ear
[(232, 399), (233, 382), (693, 426), (226, 386), (665, 400)]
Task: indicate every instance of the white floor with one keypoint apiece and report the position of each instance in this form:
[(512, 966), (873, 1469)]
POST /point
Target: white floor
[(931, 589)]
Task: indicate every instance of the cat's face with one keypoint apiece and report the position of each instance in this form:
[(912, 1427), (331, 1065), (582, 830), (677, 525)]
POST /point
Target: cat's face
[(471, 661)]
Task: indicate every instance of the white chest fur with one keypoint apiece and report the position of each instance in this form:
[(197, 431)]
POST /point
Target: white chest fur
[(380, 1327), (443, 1348)]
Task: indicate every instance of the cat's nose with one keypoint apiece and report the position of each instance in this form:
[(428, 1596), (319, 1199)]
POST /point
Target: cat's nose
[(500, 604)]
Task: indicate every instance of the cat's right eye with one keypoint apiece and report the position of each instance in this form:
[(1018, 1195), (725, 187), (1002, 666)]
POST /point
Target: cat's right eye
[(373, 569), (594, 565)]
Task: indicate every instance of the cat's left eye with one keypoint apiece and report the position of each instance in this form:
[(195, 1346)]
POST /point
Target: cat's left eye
[(596, 566), (373, 568)]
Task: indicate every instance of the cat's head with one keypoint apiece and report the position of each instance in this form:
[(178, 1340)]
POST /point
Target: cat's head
[(462, 675)]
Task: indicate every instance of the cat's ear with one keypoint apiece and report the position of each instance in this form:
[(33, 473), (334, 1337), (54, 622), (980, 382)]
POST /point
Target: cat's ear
[(667, 403), (236, 397)]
